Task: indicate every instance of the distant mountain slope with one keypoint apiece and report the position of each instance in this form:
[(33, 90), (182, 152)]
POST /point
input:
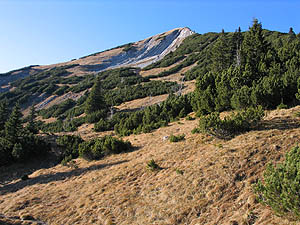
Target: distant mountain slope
[(138, 54)]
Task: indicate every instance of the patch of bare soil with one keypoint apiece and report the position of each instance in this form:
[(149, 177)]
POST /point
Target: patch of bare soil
[(203, 180)]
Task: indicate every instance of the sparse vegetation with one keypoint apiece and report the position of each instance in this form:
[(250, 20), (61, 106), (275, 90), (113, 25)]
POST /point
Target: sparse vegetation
[(179, 171), (153, 166), (177, 138), (280, 187)]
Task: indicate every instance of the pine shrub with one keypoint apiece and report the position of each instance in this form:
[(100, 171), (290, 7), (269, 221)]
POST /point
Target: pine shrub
[(280, 187), (100, 147), (239, 122), (174, 138)]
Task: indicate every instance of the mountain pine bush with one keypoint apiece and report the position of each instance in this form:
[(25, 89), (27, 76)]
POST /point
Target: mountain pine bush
[(280, 187), (238, 122)]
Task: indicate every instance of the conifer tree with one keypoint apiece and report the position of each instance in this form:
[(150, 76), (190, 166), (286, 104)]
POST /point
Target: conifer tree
[(254, 51), (221, 55), (32, 127), (95, 101), (3, 114), (13, 126), (292, 34)]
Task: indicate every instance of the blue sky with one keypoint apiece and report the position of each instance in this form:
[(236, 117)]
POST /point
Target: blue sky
[(51, 31)]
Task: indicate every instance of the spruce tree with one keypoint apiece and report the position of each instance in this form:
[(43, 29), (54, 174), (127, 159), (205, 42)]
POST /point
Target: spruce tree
[(292, 34), (32, 127), (221, 54), (4, 112), (95, 101), (254, 47), (13, 126)]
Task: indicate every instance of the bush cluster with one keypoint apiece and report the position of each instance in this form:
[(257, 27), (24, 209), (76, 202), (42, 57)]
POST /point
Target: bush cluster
[(280, 187), (100, 147), (253, 68), (18, 142), (236, 123), (177, 138)]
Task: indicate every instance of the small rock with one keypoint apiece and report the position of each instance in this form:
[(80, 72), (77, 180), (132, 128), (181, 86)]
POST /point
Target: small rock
[(165, 138)]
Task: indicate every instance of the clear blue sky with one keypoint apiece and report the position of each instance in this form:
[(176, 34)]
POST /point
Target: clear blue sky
[(50, 31)]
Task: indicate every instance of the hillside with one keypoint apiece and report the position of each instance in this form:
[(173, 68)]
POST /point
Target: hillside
[(138, 54), (215, 187), (233, 96)]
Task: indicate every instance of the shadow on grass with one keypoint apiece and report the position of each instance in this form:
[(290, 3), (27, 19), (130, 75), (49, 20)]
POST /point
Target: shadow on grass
[(279, 124), (47, 178), (17, 170)]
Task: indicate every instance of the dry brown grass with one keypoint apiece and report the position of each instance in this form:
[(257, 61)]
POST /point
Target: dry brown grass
[(215, 187), (188, 86)]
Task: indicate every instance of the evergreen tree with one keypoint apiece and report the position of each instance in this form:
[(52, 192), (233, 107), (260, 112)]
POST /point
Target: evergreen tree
[(95, 101), (221, 54), (292, 34), (32, 126), (254, 51), (3, 114), (237, 40), (13, 126)]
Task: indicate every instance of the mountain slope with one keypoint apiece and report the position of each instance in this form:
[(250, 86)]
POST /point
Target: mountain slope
[(138, 54), (203, 180)]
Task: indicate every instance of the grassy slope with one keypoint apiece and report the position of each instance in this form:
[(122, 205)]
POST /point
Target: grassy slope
[(215, 187)]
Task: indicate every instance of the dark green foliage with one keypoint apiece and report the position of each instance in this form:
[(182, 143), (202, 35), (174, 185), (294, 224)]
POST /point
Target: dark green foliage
[(174, 138), (153, 88), (32, 126), (153, 166), (168, 60), (187, 62), (57, 110), (234, 124), (95, 116), (70, 145), (66, 125), (280, 187), (4, 114), (18, 144), (13, 126), (102, 125), (282, 106), (128, 47), (25, 177), (34, 85), (257, 67), (189, 118), (155, 116), (95, 101), (100, 147)]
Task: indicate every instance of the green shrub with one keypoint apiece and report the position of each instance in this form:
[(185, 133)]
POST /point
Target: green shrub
[(153, 166), (102, 125), (280, 187), (179, 171), (98, 148), (239, 122), (70, 145), (189, 118), (282, 106), (177, 138), (95, 116)]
